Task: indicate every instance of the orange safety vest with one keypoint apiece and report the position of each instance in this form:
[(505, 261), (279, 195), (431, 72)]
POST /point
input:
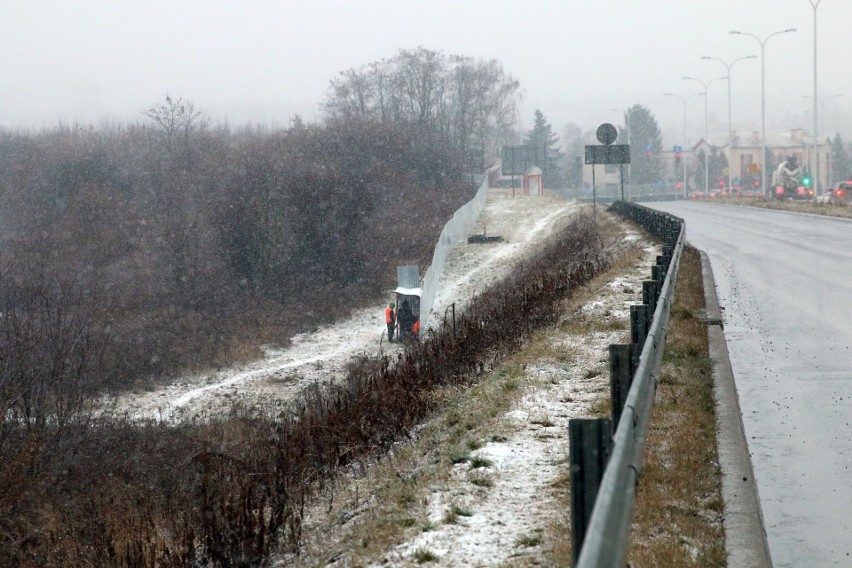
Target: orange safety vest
[(388, 315)]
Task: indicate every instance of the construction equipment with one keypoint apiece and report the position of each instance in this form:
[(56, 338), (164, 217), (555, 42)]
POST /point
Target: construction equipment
[(787, 181), (408, 294)]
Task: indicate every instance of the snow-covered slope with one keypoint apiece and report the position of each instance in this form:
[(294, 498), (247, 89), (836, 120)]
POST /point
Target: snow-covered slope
[(523, 221)]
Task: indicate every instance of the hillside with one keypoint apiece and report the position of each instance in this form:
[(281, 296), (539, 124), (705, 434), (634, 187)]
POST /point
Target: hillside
[(484, 482), (523, 221)]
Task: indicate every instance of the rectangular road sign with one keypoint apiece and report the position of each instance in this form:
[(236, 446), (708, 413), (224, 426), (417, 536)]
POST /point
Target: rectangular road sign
[(613, 154), (518, 159)]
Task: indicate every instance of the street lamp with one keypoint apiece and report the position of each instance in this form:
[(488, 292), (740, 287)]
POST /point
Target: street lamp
[(705, 84), (763, 95), (627, 125), (815, 171), (728, 67), (684, 100)]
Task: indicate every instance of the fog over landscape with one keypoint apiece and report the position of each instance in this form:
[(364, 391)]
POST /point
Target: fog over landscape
[(327, 282), (265, 61)]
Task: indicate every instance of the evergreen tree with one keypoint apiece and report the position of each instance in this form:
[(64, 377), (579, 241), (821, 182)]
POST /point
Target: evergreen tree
[(574, 156), (841, 163), (542, 136), (645, 138)]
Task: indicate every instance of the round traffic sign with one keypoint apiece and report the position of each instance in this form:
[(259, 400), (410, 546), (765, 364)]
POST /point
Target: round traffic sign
[(607, 133)]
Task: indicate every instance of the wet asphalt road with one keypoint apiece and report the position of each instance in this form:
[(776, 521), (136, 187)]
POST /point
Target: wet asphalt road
[(785, 282)]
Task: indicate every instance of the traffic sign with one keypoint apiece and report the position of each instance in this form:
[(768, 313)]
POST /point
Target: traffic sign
[(607, 133), (612, 154)]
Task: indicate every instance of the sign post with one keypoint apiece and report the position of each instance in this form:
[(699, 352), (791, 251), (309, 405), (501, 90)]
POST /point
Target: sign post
[(609, 153)]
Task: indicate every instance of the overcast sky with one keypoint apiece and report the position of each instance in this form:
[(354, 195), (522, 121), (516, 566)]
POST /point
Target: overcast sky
[(263, 61)]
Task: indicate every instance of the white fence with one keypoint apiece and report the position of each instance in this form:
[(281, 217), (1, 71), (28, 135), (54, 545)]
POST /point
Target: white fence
[(456, 229)]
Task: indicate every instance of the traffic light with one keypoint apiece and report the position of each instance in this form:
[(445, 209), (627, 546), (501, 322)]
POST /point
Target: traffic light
[(677, 157), (806, 181), (649, 153)]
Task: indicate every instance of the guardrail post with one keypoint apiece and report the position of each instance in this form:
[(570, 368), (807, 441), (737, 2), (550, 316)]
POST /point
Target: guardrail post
[(658, 275), (640, 322), (650, 294), (589, 441), (621, 371)]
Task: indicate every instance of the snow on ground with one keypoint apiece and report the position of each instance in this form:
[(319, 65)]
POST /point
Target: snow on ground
[(523, 221), (510, 518)]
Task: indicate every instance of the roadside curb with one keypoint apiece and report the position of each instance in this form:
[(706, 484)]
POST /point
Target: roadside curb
[(805, 213), (745, 533)]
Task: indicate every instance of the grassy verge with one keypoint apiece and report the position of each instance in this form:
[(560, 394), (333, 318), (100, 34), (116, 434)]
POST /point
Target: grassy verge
[(231, 491), (796, 206), (679, 507), (678, 519), (377, 508)]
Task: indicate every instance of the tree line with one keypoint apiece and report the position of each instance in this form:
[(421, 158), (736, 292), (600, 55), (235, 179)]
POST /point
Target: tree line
[(462, 105), (133, 252), (187, 245)]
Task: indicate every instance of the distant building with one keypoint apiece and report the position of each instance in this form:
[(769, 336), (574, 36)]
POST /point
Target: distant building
[(533, 181), (744, 158), (745, 161)]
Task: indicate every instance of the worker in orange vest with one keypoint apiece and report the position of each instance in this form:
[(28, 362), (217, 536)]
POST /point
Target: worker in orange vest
[(390, 319)]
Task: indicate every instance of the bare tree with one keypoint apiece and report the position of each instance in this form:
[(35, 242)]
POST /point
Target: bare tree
[(49, 348), (459, 102), (177, 119)]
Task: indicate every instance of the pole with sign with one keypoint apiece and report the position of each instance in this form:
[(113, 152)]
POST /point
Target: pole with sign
[(609, 153)]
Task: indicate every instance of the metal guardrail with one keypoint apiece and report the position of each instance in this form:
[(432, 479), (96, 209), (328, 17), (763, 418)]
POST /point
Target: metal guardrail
[(603, 503)]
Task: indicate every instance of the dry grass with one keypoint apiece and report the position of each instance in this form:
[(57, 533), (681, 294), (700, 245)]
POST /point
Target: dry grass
[(391, 497), (376, 507), (678, 519)]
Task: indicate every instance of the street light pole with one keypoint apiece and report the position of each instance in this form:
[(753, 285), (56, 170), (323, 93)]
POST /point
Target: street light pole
[(627, 127), (814, 150), (728, 66), (763, 96), (815, 170), (706, 141), (684, 100)]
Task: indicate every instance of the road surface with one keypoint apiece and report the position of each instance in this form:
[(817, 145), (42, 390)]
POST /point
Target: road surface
[(785, 282)]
